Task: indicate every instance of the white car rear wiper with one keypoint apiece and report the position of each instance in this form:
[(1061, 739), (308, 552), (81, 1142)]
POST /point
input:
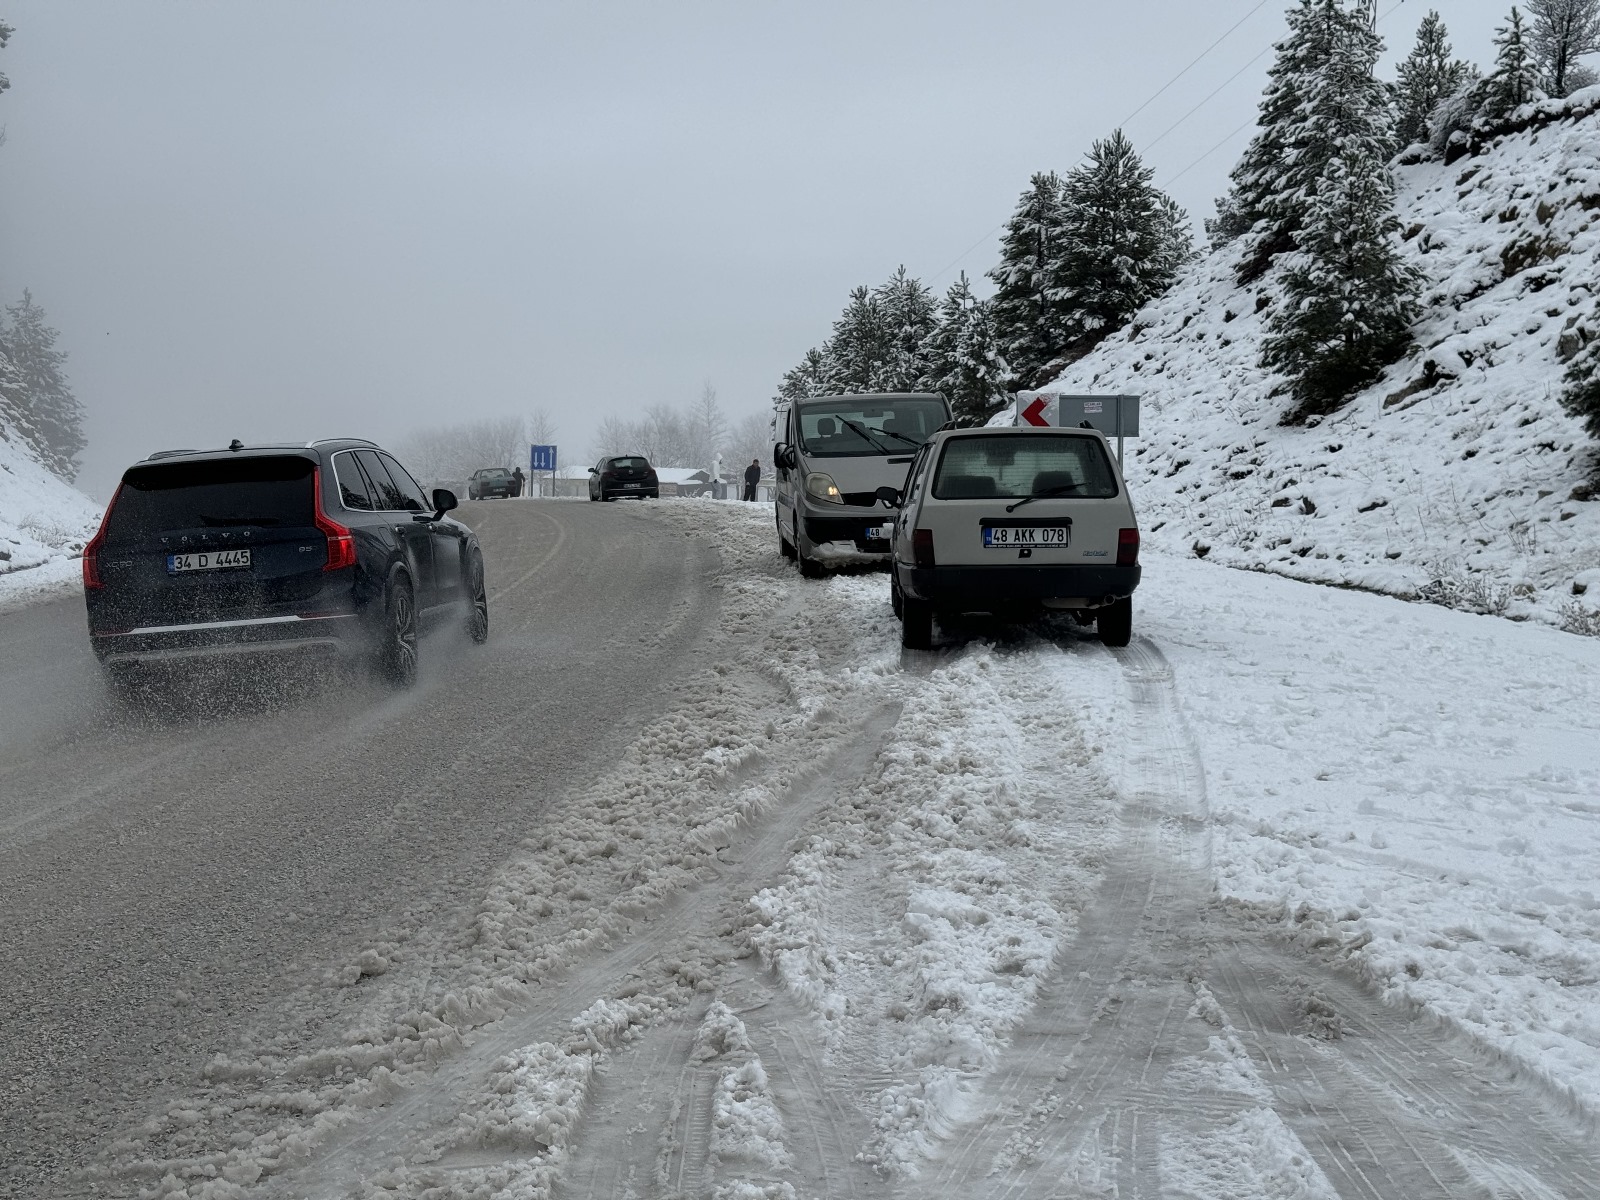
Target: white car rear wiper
[(1058, 490)]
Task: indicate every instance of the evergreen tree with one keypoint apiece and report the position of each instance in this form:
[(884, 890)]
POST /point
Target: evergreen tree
[(1348, 297), (5, 36), (1256, 178), (1123, 242), (965, 365), (1428, 77), (860, 345), (1581, 396), (1450, 122), (45, 410), (1025, 306), (908, 314), (810, 378), (1562, 32), (1322, 93), (1515, 79)]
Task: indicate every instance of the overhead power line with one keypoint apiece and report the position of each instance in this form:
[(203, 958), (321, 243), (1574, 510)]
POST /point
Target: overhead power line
[(1196, 61)]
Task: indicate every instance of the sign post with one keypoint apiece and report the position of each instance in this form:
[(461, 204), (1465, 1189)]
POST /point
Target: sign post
[(1114, 416), (544, 459)]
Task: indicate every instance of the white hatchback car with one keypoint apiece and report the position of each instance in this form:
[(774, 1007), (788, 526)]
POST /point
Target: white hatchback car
[(1009, 520)]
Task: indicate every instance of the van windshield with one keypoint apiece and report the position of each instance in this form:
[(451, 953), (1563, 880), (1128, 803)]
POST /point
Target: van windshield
[(254, 491), (1011, 466), (858, 427)]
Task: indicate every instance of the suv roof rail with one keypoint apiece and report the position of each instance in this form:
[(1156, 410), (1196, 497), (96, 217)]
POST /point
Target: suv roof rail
[(168, 454), (355, 440)]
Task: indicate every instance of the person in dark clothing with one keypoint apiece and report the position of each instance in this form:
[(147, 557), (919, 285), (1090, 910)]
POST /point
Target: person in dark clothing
[(752, 476), (517, 480)]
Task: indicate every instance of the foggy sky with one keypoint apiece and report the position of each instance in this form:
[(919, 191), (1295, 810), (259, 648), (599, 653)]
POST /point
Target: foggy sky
[(291, 220)]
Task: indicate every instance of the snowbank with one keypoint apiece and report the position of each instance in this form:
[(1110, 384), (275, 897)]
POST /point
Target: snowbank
[(1456, 476), (44, 524)]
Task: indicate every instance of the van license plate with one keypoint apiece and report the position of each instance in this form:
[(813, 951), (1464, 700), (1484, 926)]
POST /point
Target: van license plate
[(207, 560), (1009, 537)]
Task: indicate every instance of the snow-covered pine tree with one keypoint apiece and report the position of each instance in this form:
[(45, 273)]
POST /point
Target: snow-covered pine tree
[(1581, 395), (909, 314), (859, 346), (1123, 243), (1024, 307), (964, 362), (1349, 297), (1427, 78), (1562, 32), (1257, 177), (1515, 80), (47, 413), (1323, 92), (810, 378)]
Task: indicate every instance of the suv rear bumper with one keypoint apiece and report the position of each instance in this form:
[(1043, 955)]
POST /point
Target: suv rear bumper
[(979, 587), (329, 635)]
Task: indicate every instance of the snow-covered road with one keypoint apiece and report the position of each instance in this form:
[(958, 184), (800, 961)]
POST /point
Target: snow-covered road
[(1292, 898)]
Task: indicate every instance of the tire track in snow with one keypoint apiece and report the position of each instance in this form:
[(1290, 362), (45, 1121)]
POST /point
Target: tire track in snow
[(1083, 1097)]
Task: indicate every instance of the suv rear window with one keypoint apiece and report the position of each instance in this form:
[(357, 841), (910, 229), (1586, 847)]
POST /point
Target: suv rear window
[(257, 492), (1009, 466)]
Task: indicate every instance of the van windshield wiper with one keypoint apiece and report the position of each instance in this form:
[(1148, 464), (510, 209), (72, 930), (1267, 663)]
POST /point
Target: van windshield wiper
[(1058, 490), (900, 437), (865, 432)]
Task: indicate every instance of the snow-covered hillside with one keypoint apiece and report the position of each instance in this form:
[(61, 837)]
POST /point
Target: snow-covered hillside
[(1457, 476), (43, 525)]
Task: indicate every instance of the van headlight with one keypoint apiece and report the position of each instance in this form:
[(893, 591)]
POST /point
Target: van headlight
[(822, 487)]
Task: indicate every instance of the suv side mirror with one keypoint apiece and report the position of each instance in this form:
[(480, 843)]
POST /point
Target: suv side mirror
[(443, 501), (890, 496)]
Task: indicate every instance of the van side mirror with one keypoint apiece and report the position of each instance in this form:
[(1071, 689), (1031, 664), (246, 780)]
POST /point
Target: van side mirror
[(890, 496), (443, 501), (784, 457)]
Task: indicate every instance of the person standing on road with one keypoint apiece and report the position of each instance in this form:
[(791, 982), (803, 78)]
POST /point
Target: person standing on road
[(517, 480), (752, 476)]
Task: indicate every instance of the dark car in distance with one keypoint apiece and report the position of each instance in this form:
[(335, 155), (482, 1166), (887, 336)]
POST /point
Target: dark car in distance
[(624, 475), (496, 482), (328, 549)]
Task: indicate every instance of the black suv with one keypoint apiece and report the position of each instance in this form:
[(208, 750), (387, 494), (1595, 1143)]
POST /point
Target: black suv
[(626, 475), (325, 548)]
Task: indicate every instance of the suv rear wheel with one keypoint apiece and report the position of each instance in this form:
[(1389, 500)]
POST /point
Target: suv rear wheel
[(397, 636), (477, 601)]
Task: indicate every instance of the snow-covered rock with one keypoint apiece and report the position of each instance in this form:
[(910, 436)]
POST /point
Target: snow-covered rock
[(44, 523), (1457, 476)]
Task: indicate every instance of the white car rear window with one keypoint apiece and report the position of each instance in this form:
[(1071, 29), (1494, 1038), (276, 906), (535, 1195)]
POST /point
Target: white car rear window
[(1009, 466)]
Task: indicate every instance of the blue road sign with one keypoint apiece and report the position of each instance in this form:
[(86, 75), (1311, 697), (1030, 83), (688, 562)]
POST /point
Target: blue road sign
[(544, 458)]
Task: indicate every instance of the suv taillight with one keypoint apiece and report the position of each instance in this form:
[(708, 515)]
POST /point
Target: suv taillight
[(91, 552), (1127, 547), (922, 547), (341, 542)]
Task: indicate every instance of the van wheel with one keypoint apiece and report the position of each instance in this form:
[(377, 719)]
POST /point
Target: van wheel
[(810, 568), (1114, 622), (785, 546), (397, 636), (916, 624)]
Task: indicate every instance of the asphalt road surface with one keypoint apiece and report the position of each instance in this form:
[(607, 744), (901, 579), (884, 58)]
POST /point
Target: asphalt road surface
[(165, 879)]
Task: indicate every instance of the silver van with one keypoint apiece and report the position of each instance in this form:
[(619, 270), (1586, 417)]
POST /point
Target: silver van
[(1009, 520), (834, 455)]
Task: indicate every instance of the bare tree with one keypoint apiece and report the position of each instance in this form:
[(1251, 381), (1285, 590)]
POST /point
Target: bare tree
[(452, 452), (751, 438), (1563, 31), (541, 427), (708, 428)]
